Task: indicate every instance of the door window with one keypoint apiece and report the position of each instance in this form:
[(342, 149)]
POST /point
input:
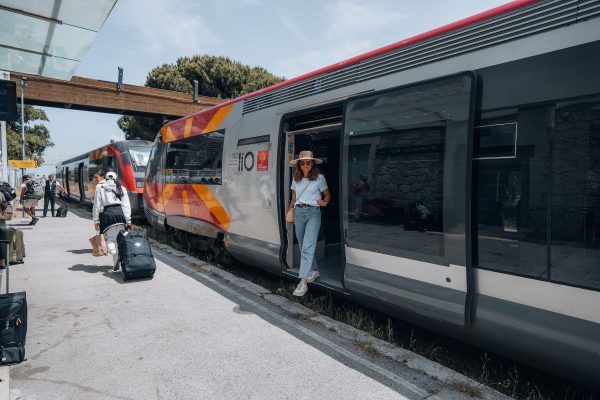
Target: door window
[(407, 155)]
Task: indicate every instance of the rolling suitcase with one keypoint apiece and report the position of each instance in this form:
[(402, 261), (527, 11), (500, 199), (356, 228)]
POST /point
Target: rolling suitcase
[(135, 255), (62, 211), (13, 319)]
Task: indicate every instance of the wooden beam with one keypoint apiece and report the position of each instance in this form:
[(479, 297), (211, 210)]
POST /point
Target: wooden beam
[(101, 96)]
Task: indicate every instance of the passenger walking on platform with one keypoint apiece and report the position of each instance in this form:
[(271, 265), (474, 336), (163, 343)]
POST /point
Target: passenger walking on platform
[(50, 194), (26, 199), (111, 211), (307, 214)]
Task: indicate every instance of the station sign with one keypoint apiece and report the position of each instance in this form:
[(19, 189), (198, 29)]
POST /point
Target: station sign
[(22, 163)]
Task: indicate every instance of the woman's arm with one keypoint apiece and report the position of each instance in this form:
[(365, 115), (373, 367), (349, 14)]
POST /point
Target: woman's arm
[(293, 200), (326, 198)]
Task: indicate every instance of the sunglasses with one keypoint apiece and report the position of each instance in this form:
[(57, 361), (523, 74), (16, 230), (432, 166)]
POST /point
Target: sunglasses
[(305, 162)]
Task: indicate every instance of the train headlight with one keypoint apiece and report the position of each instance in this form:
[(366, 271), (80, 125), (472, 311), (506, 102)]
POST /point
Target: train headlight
[(139, 184)]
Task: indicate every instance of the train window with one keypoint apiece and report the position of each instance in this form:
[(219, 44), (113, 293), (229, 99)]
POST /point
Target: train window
[(153, 165), (397, 143), (513, 193), (575, 196), (139, 157), (495, 141), (539, 212), (94, 166), (197, 159)]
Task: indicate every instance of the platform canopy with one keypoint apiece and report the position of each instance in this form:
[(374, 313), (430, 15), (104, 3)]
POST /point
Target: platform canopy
[(49, 37)]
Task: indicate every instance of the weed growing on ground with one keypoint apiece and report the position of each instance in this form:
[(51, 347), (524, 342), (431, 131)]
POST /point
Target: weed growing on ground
[(466, 389), (366, 347)]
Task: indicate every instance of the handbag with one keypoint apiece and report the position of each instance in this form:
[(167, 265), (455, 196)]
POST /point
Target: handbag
[(6, 211), (99, 247), (289, 216)]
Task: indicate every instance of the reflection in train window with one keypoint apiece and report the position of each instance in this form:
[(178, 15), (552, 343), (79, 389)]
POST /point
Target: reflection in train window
[(197, 159), (538, 214)]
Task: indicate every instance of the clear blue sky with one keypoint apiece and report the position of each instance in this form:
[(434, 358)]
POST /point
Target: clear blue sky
[(286, 37)]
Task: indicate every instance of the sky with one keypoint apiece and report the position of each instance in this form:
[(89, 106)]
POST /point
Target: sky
[(288, 38)]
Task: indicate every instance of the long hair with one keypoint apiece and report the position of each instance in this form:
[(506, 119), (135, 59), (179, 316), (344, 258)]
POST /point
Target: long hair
[(313, 174)]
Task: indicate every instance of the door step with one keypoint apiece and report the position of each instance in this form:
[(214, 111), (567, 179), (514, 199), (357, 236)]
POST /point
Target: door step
[(321, 282)]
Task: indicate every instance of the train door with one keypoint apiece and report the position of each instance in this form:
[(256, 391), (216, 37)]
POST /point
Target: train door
[(66, 181), (80, 183), (320, 132), (406, 181)]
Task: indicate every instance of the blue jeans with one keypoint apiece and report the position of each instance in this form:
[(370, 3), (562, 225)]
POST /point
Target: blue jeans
[(307, 222)]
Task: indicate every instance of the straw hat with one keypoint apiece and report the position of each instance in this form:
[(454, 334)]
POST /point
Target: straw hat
[(306, 155)]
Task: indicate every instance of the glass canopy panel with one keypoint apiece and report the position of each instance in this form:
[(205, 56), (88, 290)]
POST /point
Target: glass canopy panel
[(70, 42), (23, 32), (61, 45), (59, 68), (87, 14), (30, 63), (15, 60)]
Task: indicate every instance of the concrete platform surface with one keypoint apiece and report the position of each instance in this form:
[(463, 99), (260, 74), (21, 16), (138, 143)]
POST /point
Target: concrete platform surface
[(186, 334)]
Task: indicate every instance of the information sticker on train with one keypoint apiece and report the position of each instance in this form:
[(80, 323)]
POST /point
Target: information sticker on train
[(262, 162)]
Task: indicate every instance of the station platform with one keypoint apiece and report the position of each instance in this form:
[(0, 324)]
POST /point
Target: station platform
[(188, 333)]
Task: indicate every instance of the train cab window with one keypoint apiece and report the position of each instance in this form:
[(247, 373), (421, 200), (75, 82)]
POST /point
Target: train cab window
[(397, 145), (197, 159), (139, 157)]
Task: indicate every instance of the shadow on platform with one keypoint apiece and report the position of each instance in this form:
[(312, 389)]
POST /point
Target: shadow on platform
[(80, 251)]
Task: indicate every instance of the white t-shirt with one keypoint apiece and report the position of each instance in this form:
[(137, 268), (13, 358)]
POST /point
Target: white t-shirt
[(308, 192)]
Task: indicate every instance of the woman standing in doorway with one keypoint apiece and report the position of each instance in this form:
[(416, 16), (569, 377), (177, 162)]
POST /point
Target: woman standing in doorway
[(111, 211), (310, 184)]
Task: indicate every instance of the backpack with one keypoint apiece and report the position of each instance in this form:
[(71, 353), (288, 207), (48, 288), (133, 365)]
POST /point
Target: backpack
[(9, 193), (35, 190)]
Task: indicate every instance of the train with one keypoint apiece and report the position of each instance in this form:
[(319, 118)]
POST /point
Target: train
[(480, 143), (128, 158)]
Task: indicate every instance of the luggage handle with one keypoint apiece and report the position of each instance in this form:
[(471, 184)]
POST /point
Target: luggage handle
[(6, 258)]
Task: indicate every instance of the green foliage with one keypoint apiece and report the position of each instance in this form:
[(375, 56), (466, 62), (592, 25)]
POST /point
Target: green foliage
[(217, 76), (37, 137)]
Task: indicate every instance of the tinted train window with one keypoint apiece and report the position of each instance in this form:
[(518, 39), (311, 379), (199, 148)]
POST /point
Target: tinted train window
[(575, 196), (539, 212), (513, 191), (397, 146), (153, 165), (196, 159)]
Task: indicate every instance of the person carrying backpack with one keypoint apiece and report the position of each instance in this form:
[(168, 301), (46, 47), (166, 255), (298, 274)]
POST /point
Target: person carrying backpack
[(111, 211), (31, 192)]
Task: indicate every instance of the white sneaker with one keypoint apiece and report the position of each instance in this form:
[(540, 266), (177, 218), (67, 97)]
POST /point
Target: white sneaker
[(301, 290), (314, 274)]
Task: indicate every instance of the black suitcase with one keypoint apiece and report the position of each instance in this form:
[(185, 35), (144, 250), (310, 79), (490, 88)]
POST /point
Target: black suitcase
[(62, 211), (135, 255), (13, 321)]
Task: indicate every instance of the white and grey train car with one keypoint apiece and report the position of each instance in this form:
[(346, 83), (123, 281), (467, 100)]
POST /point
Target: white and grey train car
[(481, 145)]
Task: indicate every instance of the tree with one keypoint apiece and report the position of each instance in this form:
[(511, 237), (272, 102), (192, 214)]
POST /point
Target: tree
[(217, 76), (37, 137)]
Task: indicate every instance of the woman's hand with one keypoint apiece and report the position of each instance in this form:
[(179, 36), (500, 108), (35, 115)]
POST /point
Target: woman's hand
[(321, 203), (97, 226)]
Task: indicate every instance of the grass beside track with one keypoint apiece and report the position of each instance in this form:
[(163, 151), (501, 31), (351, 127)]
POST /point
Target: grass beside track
[(507, 376)]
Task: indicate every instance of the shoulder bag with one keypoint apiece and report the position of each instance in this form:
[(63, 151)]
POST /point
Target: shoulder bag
[(289, 216)]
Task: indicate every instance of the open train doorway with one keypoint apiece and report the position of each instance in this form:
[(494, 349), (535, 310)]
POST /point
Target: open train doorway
[(320, 131)]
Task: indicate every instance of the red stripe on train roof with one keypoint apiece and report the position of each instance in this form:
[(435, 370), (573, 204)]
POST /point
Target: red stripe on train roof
[(482, 16)]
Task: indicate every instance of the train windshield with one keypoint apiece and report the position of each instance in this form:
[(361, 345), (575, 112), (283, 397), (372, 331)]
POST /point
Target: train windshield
[(139, 157)]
